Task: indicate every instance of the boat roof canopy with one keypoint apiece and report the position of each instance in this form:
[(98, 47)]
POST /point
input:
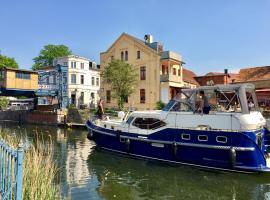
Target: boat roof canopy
[(246, 86)]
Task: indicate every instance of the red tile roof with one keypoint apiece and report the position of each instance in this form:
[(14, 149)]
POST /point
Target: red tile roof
[(254, 74), (188, 76)]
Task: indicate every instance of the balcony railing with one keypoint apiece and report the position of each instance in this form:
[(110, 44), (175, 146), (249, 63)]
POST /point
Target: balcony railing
[(169, 77)]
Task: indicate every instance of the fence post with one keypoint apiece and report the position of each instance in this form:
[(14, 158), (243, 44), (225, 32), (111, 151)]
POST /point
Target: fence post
[(19, 177)]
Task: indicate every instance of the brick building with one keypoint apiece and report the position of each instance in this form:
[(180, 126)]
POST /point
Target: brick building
[(214, 78)]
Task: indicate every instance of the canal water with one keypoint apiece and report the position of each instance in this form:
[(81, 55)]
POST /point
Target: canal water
[(88, 173)]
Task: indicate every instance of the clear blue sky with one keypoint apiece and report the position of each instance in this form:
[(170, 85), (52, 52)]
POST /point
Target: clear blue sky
[(210, 34)]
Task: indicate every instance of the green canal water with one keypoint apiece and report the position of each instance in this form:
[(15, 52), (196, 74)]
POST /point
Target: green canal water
[(88, 173)]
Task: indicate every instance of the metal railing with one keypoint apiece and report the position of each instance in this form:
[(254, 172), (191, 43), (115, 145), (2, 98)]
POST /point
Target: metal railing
[(11, 172)]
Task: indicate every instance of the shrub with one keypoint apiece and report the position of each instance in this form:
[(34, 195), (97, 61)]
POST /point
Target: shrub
[(160, 105)]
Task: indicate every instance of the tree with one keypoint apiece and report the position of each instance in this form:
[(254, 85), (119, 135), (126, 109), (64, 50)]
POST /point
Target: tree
[(7, 62), (48, 53), (122, 78), (3, 103)]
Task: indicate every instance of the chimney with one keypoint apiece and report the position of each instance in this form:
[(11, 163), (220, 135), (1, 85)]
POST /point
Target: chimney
[(148, 38)]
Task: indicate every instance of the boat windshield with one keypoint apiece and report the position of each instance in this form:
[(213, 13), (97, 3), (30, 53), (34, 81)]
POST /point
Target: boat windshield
[(169, 106), (178, 106)]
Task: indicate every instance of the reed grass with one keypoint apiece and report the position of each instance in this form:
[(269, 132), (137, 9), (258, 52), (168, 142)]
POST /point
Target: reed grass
[(40, 169)]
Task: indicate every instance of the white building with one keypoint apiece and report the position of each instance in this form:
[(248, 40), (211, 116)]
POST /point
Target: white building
[(83, 80)]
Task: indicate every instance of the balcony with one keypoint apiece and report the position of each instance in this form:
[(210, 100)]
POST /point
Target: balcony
[(170, 78)]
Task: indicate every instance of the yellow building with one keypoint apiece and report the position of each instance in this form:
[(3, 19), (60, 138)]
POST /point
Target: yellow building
[(18, 81), (159, 72)]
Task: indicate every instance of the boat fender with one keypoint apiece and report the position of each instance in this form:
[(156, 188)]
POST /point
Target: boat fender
[(127, 145), (174, 145), (232, 156), (90, 135)]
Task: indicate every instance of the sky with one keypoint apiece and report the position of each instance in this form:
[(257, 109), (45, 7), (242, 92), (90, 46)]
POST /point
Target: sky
[(211, 35)]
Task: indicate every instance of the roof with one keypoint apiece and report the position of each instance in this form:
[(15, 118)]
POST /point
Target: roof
[(73, 56), (141, 42), (188, 76), (222, 87), (20, 70), (254, 74)]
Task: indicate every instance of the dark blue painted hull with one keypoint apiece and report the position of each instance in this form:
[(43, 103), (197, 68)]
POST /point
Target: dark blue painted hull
[(240, 153)]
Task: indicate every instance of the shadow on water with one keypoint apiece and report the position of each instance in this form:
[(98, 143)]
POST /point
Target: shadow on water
[(89, 173)]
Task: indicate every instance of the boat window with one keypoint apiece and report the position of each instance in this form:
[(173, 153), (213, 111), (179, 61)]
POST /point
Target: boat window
[(181, 107), (148, 123), (202, 138), (251, 101), (169, 106), (220, 101), (185, 136), (130, 119), (221, 139)]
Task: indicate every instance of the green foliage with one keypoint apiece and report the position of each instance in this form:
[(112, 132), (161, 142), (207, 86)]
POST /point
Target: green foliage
[(48, 53), (122, 78), (160, 105), (7, 62), (3, 102)]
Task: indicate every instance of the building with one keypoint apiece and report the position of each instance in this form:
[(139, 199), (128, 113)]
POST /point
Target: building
[(189, 79), (160, 74), (53, 86), (214, 78), (18, 82), (83, 80), (260, 77)]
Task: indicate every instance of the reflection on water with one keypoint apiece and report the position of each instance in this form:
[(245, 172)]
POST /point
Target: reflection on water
[(88, 173)]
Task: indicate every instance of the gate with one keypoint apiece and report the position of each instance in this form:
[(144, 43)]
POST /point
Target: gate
[(11, 172)]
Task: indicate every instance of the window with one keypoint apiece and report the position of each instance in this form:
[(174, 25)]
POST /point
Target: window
[(92, 95), (65, 63), (202, 138), (90, 65), (108, 96), (73, 64), (47, 80), (82, 65), (174, 71), (126, 55), (179, 72), (130, 119), (122, 55), (93, 80), (138, 55), (54, 79), (126, 99), (221, 139), (142, 95), (22, 75), (97, 81), (143, 73), (82, 97), (112, 58), (181, 107), (73, 78), (82, 79), (148, 123), (185, 136)]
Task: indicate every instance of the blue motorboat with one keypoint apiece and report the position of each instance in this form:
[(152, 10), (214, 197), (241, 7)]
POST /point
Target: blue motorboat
[(233, 136)]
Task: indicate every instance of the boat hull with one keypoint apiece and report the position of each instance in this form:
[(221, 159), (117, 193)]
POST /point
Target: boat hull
[(239, 154)]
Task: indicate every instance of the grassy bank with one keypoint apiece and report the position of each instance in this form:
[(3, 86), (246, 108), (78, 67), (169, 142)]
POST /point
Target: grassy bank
[(39, 168)]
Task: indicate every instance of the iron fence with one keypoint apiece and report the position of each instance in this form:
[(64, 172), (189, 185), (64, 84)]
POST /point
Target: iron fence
[(11, 172)]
